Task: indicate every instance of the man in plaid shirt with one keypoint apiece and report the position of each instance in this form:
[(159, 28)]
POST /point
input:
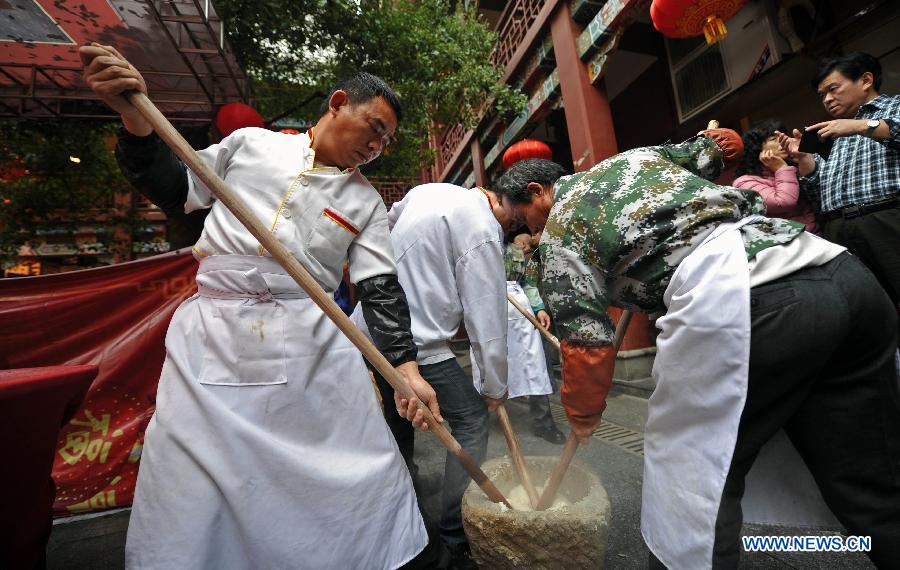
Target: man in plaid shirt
[(856, 189)]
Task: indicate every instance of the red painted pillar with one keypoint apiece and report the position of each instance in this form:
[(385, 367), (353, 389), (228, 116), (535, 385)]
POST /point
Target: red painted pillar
[(591, 132), (588, 117)]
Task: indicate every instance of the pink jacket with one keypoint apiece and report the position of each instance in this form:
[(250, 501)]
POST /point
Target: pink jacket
[(781, 193)]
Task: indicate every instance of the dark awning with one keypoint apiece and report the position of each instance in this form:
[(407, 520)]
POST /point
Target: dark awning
[(177, 45)]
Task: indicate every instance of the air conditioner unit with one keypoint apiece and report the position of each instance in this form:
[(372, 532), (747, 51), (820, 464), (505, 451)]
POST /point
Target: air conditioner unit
[(702, 74)]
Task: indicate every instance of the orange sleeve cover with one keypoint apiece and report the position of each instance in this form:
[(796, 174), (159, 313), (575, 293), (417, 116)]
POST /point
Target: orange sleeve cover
[(587, 373), (729, 142)]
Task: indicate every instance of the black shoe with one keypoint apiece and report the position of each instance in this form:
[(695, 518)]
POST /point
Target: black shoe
[(461, 558), (550, 433)]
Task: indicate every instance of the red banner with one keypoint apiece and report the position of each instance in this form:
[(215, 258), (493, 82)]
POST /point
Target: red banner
[(116, 318)]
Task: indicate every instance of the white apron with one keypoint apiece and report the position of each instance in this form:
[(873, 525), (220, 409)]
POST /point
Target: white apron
[(268, 448), (526, 364), (701, 370)]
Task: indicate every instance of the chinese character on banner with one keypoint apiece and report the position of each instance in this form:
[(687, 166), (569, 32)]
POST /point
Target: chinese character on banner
[(98, 450), (115, 318), (79, 443)]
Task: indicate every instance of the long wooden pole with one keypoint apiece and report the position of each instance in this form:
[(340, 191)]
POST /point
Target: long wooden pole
[(503, 417), (513, 442), (559, 471), (568, 452), (527, 314), (296, 270), (621, 329)]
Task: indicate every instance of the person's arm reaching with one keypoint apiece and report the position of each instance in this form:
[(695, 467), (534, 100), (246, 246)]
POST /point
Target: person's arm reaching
[(109, 75), (781, 194), (481, 283), (887, 132), (151, 167), (144, 159), (530, 284), (386, 313), (700, 155), (575, 292), (808, 166)]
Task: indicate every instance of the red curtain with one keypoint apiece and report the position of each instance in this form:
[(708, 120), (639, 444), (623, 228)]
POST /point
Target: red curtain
[(34, 403), (113, 317)]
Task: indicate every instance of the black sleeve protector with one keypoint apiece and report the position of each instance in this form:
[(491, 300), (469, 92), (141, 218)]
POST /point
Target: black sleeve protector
[(387, 316), (151, 167)]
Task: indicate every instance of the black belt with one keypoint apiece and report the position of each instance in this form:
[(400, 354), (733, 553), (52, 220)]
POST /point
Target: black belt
[(860, 209)]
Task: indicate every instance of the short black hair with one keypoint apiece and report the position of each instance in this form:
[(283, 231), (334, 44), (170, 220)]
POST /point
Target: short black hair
[(852, 66), (361, 87), (753, 141), (514, 182)]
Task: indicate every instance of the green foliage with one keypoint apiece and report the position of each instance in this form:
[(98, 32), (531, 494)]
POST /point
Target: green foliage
[(39, 182), (434, 55)]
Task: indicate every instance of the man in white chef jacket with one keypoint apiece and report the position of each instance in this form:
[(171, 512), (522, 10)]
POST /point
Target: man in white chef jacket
[(766, 327), (267, 449), (448, 242), (529, 369)]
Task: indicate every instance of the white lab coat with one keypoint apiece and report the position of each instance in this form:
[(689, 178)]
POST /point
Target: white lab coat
[(701, 370), (449, 251), (527, 367), (268, 448)]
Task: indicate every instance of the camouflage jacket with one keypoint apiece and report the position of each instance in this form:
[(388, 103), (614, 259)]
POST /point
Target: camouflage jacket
[(617, 232), (516, 262)]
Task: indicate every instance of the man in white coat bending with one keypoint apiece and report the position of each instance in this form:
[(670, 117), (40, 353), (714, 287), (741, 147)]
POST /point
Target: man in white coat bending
[(448, 242), (767, 327), (268, 448)]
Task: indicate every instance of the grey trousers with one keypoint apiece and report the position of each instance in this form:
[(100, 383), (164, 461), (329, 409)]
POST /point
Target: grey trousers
[(466, 413)]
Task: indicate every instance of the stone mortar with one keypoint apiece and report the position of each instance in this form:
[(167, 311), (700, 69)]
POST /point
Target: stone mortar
[(567, 537)]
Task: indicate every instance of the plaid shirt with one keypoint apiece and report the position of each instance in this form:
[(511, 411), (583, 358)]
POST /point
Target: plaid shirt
[(859, 170)]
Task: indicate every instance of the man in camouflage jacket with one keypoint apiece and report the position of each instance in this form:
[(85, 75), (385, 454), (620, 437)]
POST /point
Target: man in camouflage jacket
[(615, 234)]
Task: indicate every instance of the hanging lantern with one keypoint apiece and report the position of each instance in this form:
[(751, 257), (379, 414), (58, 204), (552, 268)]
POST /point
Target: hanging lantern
[(689, 18), (234, 116), (526, 148)]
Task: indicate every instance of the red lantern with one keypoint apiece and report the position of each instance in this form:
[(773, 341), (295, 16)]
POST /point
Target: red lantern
[(526, 148), (234, 116), (688, 18)]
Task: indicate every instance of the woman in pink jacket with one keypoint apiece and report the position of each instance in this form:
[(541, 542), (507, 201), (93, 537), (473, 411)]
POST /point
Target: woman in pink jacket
[(764, 169)]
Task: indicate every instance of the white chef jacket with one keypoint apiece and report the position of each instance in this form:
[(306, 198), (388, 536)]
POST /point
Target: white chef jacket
[(268, 447), (449, 251), (322, 215)]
